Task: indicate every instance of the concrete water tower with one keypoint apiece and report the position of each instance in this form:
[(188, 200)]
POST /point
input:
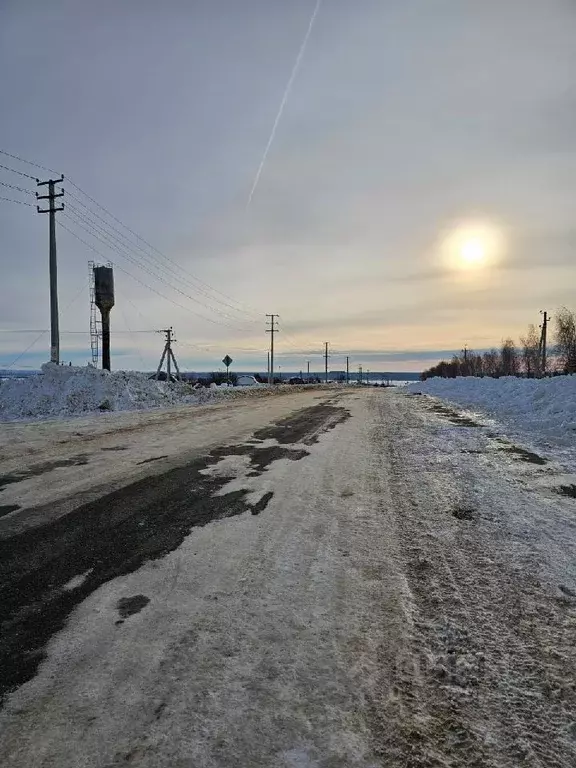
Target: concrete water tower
[(104, 300)]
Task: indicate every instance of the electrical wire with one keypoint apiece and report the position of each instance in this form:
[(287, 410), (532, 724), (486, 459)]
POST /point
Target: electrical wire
[(208, 287), (28, 162), (148, 256), (20, 202), (132, 260), (20, 189), (152, 264), (158, 252), (20, 173), (136, 279), (42, 333), (103, 234)]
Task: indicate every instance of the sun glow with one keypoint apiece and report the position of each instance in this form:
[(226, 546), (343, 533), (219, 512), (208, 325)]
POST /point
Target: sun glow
[(472, 246)]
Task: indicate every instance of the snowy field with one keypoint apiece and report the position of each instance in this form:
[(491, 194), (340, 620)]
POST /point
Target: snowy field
[(540, 411), (63, 391)]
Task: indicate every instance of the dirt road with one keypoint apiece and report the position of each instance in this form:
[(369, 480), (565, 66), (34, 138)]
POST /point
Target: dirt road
[(359, 579)]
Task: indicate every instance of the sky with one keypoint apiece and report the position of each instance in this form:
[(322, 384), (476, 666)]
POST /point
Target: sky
[(405, 124)]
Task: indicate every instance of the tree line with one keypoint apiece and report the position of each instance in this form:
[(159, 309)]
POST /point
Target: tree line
[(529, 358)]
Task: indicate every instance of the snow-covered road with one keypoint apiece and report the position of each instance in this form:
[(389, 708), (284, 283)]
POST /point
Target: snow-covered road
[(365, 579)]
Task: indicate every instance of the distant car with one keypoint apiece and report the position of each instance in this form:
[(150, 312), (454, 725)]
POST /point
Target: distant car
[(247, 381), (295, 380)]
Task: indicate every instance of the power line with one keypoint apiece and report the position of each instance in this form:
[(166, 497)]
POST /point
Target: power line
[(20, 173), (238, 309), (96, 231), (28, 348), (28, 162), (13, 186), (136, 279), (129, 247), (129, 257), (148, 256), (20, 202), (42, 333), (162, 255)]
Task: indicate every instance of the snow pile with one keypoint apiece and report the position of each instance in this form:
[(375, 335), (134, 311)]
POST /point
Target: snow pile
[(542, 408), (69, 391)]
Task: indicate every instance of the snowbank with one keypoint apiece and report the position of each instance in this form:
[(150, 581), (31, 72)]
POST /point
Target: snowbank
[(70, 391), (541, 408)]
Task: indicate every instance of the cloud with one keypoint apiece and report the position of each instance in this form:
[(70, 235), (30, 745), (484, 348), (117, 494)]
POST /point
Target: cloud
[(404, 118)]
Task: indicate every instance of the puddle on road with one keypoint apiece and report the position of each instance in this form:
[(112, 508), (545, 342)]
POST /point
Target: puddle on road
[(305, 426), (465, 513), (459, 419), (522, 454), (40, 469), (567, 490), (128, 606), (6, 509)]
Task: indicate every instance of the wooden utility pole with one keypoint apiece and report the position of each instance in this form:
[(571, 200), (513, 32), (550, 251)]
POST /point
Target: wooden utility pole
[(51, 210), (542, 350), (326, 361), (360, 373), (347, 370), (167, 355), (272, 330), (308, 371)]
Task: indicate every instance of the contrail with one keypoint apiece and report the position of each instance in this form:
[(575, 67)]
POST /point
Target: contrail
[(283, 102)]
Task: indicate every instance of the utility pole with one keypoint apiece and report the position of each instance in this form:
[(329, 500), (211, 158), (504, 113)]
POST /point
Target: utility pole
[(542, 350), (272, 330), (326, 361), (167, 355), (347, 370), (54, 323), (367, 376), (360, 373), (308, 371)]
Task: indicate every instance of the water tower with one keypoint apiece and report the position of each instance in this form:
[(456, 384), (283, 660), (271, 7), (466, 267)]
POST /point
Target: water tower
[(104, 300)]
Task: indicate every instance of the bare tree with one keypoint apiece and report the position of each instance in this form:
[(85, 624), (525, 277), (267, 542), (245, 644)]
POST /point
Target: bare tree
[(531, 358), (566, 339), (491, 363), (510, 363)]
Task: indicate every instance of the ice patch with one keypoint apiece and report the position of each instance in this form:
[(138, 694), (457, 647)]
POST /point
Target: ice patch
[(76, 581)]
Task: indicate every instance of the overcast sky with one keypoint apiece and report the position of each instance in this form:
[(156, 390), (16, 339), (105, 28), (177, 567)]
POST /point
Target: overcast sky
[(405, 120)]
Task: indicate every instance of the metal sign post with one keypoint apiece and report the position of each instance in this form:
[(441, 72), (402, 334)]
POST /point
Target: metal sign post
[(227, 362)]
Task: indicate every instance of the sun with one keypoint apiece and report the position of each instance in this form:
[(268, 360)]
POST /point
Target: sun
[(472, 246), (472, 253)]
